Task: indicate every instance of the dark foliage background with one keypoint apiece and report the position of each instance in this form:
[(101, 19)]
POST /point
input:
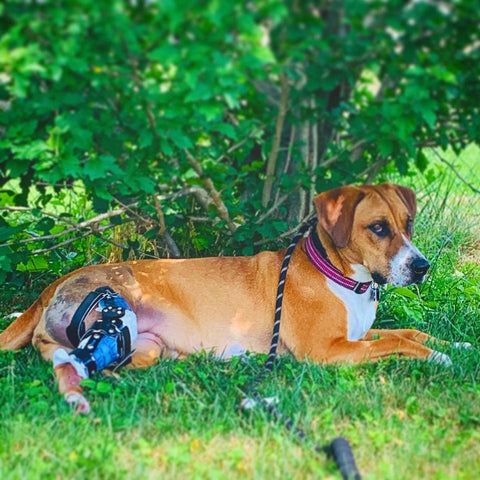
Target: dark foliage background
[(149, 128)]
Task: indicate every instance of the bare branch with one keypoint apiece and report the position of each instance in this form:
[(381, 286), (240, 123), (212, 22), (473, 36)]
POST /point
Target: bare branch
[(455, 171), (272, 158), (172, 247), (286, 234), (314, 155), (74, 239), (278, 202), (79, 226), (214, 193), (93, 228), (160, 215), (353, 150), (237, 145), (130, 209)]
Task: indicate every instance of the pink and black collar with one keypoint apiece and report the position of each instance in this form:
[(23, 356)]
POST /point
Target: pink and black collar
[(318, 256)]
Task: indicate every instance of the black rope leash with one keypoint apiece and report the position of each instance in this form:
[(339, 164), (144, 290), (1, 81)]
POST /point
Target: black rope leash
[(339, 449)]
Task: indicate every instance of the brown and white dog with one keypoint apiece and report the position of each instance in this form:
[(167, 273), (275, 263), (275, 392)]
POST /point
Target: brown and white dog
[(226, 304)]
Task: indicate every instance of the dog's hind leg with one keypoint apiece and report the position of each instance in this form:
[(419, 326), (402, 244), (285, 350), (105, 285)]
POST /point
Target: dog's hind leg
[(147, 348), (69, 385)]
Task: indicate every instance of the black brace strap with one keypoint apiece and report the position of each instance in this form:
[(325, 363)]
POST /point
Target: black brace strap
[(110, 325), (76, 329)]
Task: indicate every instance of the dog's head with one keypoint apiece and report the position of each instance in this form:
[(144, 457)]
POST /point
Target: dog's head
[(372, 226)]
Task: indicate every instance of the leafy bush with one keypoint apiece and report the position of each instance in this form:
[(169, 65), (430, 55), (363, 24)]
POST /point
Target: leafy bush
[(210, 125)]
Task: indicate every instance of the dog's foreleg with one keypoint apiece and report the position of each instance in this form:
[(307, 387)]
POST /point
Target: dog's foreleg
[(412, 334), (374, 350), (409, 334)]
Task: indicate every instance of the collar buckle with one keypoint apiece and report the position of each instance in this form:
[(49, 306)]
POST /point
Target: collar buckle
[(358, 287)]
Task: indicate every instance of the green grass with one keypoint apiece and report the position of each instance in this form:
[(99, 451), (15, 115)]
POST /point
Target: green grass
[(405, 419)]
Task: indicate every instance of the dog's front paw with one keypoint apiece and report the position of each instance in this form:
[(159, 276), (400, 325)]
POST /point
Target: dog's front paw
[(461, 345), (79, 402), (440, 358)]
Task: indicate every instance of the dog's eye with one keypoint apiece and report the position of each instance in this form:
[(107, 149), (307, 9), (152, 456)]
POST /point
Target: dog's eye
[(410, 227), (380, 229)]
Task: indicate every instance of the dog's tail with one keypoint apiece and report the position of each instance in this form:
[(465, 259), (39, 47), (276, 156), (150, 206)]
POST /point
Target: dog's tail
[(20, 331)]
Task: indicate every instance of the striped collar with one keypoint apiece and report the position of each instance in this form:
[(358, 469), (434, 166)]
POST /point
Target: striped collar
[(318, 256)]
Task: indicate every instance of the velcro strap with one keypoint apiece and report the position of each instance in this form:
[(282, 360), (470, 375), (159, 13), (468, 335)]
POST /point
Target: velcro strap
[(86, 357), (76, 329)]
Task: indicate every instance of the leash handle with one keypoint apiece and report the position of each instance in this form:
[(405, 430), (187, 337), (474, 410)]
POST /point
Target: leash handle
[(342, 454)]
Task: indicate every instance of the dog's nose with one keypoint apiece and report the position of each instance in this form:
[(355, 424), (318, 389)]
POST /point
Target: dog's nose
[(420, 266)]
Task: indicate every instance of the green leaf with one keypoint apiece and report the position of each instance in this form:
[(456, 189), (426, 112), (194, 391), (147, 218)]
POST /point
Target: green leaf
[(385, 147), (232, 100), (180, 139), (103, 387), (146, 138), (405, 292), (31, 150), (45, 225), (228, 130), (429, 116), (101, 167), (211, 110), (35, 263), (421, 161), (88, 383)]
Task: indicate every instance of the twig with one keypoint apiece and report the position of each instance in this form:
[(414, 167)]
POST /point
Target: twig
[(97, 219), (172, 247), (278, 202), (272, 158), (134, 213), (327, 163), (92, 223), (287, 163), (237, 145), (160, 215), (71, 240), (78, 226), (214, 193), (288, 233), (11, 208), (455, 171), (110, 241), (314, 164)]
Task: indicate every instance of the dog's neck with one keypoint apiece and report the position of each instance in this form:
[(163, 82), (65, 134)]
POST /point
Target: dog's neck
[(357, 278)]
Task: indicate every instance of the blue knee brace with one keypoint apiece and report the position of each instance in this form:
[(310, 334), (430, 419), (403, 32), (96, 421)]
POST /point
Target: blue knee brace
[(108, 342)]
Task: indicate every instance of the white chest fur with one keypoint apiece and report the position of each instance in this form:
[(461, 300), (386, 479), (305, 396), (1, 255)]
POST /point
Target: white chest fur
[(361, 309)]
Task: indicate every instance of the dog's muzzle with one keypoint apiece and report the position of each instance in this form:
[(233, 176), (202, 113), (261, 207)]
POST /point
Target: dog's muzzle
[(407, 266), (419, 266)]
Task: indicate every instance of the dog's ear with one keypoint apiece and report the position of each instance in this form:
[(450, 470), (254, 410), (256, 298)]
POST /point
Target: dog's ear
[(335, 212), (409, 198)]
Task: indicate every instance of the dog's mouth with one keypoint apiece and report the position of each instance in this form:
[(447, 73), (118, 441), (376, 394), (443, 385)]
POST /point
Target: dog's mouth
[(379, 278)]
